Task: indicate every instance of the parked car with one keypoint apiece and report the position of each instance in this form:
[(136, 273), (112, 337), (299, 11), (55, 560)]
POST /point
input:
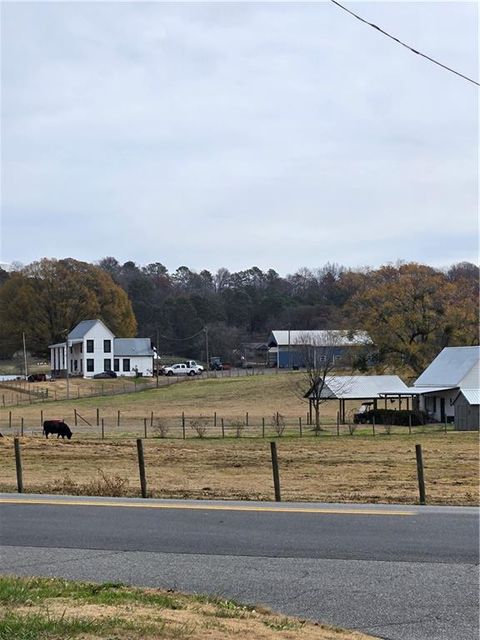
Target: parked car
[(181, 369), (105, 375), (216, 363), (193, 365)]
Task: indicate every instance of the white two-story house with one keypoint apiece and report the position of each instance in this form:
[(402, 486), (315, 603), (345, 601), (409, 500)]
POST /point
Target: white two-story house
[(91, 348)]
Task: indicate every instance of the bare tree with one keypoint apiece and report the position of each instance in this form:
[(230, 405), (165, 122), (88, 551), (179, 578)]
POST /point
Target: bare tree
[(320, 352)]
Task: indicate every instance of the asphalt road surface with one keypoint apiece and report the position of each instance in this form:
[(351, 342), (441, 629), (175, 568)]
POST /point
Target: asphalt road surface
[(395, 572)]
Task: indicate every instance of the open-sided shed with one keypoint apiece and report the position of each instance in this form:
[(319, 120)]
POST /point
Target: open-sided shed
[(362, 388)]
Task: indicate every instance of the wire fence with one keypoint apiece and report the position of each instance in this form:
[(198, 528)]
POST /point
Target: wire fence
[(20, 392), (111, 424)]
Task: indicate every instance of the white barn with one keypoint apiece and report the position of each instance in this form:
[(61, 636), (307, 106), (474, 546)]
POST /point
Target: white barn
[(92, 348), (454, 370)]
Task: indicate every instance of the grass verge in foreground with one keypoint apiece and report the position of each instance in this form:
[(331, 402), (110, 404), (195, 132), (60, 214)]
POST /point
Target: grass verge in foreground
[(50, 609)]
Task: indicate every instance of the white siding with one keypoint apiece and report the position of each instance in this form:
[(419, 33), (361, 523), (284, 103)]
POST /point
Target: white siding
[(98, 333)]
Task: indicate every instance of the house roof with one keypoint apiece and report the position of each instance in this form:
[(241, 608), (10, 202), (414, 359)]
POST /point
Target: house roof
[(422, 391), (361, 387), (472, 396), (82, 329), (131, 347), (450, 367), (319, 338)]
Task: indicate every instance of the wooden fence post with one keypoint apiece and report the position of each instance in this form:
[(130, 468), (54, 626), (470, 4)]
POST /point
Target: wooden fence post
[(18, 465), (118, 418), (338, 423), (276, 475), (409, 424), (421, 478), (246, 419), (141, 468), (98, 417), (9, 419), (151, 418), (215, 419), (145, 427), (300, 426), (373, 424), (223, 428), (103, 429), (183, 424), (21, 427), (75, 416), (263, 427), (41, 418)]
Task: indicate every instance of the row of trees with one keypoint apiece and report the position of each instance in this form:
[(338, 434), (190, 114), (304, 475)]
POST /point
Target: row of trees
[(410, 310)]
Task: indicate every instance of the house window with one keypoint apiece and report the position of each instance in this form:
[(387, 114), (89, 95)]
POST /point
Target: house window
[(107, 364), (89, 346), (90, 366), (81, 347), (107, 346), (75, 364), (126, 364), (116, 364)]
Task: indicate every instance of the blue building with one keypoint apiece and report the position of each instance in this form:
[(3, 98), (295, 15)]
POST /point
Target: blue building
[(292, 349)]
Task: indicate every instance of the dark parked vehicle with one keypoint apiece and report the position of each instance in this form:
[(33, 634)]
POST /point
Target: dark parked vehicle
[(216, 364), (104, 375), (37, 377)]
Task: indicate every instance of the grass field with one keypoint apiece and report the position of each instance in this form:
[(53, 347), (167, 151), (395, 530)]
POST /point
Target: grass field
[(50, 609), (259, 395), (357, 468)]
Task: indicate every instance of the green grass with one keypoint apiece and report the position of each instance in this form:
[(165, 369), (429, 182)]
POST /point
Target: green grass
[(37, 626), (16, 591)]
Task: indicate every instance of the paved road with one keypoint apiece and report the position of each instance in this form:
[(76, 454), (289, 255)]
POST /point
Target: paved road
[(394, 572)]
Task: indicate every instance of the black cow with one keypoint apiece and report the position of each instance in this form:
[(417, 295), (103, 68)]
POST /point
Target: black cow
[(57, 426)]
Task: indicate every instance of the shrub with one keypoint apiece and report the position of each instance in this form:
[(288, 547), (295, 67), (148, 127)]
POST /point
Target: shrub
[(278, 423), (199, 425)]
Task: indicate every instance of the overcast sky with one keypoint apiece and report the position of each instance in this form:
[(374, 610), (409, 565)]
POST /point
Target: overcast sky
[(230, 135)]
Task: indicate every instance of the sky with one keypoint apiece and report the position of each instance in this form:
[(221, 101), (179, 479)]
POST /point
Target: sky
[(280, 135)]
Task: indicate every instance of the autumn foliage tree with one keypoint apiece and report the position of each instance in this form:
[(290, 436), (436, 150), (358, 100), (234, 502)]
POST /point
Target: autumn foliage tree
[(49, 297), (412, 311)]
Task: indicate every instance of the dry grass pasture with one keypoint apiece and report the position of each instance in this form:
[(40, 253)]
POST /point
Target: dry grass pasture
[(355, 468), (229, 397), (51, 609)]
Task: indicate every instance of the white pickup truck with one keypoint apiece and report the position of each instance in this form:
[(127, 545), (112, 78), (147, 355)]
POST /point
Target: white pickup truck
[(189, 368)]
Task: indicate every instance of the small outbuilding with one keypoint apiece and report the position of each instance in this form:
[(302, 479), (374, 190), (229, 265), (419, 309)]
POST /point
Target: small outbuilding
[(467, 410), (361, 388)]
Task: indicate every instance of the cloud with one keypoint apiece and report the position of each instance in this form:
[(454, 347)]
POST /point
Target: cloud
[(230, 135)]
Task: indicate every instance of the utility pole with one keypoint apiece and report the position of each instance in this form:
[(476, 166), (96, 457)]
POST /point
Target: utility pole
[(67, 357), (25, 356), (206, 347), (157, 363)]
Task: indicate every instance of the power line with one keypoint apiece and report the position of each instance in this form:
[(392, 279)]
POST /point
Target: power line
[(182, 339), (419, 53)]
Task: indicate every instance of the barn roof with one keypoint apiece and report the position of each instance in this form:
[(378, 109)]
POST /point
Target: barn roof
[(361, 387), (319, 338), (132, 347), (472, 396), (450, 367)]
